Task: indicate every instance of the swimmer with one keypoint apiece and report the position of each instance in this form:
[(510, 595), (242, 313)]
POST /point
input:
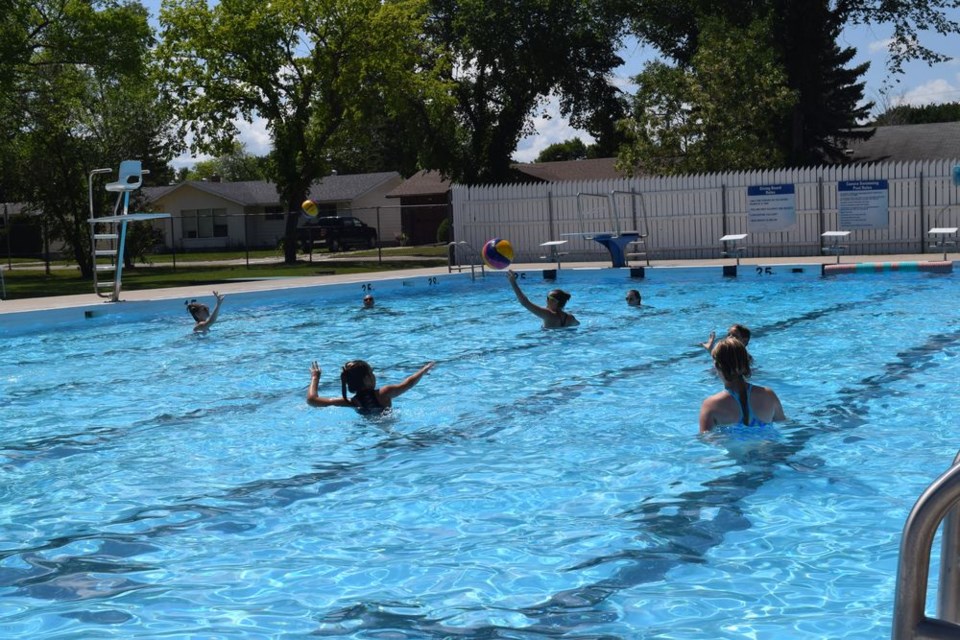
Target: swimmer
[(553, 315), (357, 377), (740, 402), (368, 301), (201, 312), (737, 331), (633, 298)]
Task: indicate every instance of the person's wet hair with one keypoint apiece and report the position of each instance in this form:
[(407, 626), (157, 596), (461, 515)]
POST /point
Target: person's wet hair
[(740, 332), (353, 376), (560, 296), (198, 310), (731, 359)]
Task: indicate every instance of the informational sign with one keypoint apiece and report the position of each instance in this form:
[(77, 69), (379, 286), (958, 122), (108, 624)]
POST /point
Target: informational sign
[(771, 207), (863, 204)]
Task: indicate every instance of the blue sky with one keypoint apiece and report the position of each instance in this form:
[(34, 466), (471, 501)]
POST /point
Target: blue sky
[(920, 84)]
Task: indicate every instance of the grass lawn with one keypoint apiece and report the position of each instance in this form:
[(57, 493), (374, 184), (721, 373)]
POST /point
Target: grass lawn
[(32, 283)]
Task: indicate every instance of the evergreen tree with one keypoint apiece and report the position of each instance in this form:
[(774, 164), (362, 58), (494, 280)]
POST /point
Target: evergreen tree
[(829, 95)]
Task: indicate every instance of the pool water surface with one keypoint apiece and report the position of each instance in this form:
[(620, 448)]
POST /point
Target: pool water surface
[(535, 484)]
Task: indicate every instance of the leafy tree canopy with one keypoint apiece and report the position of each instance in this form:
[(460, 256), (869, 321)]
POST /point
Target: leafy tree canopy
[(510, 57), (235, 166), (926, 114), (313, 69), (717, 115)]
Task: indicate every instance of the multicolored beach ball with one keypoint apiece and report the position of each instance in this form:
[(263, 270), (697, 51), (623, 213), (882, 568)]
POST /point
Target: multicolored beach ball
[(497, 253)]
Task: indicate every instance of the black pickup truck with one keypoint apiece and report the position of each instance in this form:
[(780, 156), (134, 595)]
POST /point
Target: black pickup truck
[(336, 233)]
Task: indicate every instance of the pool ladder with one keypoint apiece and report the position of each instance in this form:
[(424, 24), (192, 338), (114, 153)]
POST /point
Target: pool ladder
[(940, 502), (453, 259)]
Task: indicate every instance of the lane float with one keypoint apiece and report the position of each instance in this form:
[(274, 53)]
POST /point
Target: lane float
[(938, 266)]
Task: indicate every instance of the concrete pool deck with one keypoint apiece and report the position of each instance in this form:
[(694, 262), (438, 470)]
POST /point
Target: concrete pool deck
[(246, 286)]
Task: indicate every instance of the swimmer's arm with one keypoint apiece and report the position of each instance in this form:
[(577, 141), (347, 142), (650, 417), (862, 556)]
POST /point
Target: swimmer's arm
[(539, 311), (391, 391), (707, 421), (708, 345), (313, 399), (203, 326), (778, 414)]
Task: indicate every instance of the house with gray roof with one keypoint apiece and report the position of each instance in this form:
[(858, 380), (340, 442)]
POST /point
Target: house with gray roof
[(905, 142), (211, 215)]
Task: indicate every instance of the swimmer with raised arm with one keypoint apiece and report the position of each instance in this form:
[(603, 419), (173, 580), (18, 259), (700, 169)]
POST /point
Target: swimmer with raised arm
[(737, 331), (553, 315), (357, 377), (740, 403), (201, 312)]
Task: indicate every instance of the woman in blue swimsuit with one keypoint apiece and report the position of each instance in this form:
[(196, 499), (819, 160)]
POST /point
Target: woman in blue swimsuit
[(357, 377), (740, 403)]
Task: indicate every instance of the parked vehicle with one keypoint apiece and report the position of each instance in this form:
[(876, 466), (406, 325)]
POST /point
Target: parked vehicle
[(336, 233)]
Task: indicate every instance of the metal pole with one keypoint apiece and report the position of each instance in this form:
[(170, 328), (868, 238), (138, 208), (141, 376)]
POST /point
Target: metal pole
[(923, 215), (380, 244), (948, 594), (246, 244), (6, 226), (173, 244), (723, 208), (821, 214), (913, 569)]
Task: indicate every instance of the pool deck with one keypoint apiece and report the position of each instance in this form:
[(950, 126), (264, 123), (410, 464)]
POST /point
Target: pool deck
[(244, 286)]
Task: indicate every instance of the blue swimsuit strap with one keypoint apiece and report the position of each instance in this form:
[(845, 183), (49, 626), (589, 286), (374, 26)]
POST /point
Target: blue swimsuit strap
[(736, 396)]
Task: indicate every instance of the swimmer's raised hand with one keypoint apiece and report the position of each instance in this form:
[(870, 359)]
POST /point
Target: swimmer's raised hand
[(511, 276), (315, 369), (219, 296)]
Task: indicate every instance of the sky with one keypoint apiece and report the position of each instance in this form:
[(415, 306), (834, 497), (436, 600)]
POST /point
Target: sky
[(919, 85)]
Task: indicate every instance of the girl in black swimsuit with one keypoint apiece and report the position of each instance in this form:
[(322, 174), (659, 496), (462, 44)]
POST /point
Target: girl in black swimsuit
[(357, 377)]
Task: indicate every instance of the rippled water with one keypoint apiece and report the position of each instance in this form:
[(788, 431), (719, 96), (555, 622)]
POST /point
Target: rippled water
[(536, 484)]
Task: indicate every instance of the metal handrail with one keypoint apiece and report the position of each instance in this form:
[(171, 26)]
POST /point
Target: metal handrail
[(937, 503), (456, 257)]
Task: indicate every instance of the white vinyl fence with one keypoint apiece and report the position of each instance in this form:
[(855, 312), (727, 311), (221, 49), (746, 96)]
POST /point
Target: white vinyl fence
[(685, 216)]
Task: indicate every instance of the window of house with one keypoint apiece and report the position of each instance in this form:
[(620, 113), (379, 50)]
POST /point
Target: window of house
[(204, 223)]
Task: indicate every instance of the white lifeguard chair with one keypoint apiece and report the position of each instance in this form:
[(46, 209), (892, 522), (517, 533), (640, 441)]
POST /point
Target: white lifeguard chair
[(108, 234)]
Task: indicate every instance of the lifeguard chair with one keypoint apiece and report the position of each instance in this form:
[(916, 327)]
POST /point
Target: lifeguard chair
[(108, 234)]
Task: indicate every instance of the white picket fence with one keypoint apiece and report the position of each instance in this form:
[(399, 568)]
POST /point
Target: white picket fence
[(685, 216)]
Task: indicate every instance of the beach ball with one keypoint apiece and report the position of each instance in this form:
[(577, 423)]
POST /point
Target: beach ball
[(497, 253), (310, 208)]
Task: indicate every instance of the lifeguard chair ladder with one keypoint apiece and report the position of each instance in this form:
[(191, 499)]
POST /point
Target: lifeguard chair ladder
[(108, 234)]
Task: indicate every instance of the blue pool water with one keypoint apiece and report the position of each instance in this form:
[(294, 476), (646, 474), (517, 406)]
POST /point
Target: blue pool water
[(536, 484)]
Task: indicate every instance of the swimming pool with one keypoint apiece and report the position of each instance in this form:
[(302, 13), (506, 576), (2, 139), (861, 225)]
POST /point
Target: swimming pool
[(535, 484)]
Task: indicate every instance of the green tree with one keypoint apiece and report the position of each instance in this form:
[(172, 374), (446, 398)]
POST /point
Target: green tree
[(510, 58), (235, 166), (311, 68), (719, 114), (925, 114), (572, 149), (804, 37), (78, 97)]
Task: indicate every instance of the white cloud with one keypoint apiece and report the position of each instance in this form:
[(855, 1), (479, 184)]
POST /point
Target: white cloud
[(551, 128), (932, 92), (255, 137), (878, 46)]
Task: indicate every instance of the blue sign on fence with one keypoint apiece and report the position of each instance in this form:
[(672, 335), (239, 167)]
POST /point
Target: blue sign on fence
[(771, 207), (863, 204)]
